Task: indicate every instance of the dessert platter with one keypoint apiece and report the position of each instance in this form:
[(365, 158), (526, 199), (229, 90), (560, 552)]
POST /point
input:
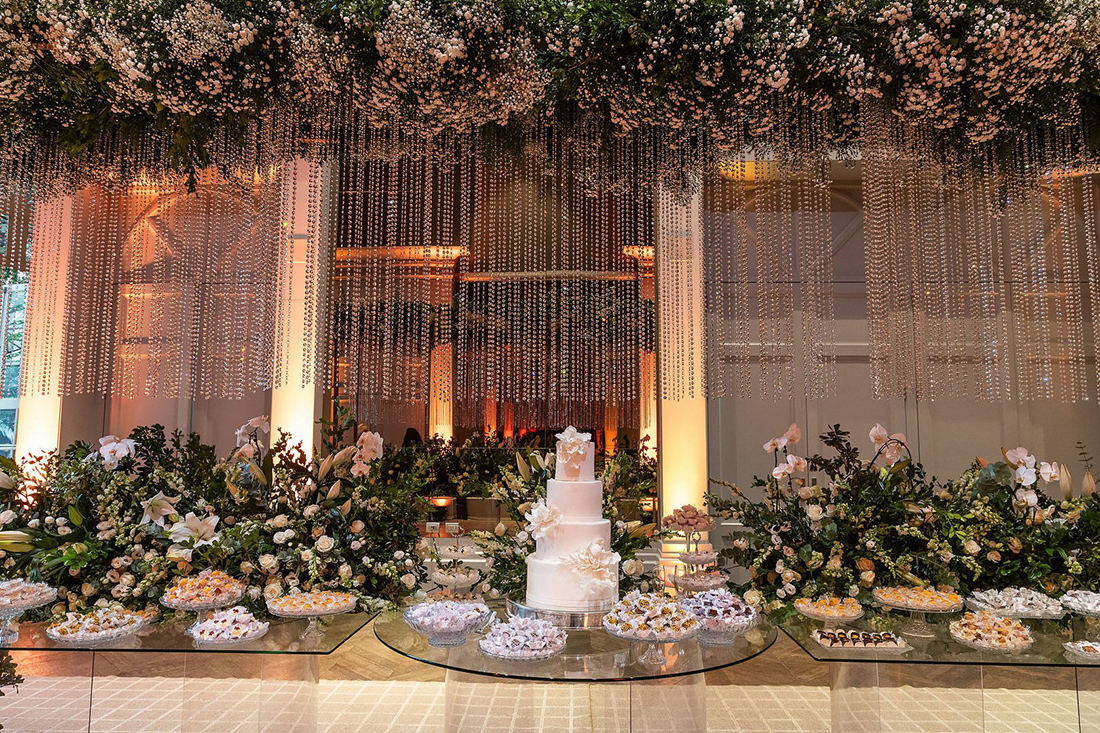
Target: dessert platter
[(231, 626), (831, 610), (1085, 603), (204, 592), (16, 597), (650, 617), (1083, 650), (918, 602), (879, 641), (697, 581), (699, 558), (523, 638), (458, 579), (722, 616), (572, 569), (447, 623), (96, 626), (312, 605), (987, 631), (1016, 603)]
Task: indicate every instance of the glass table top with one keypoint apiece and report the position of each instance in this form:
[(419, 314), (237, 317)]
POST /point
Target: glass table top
[(282, 637), (941, 648), (589, 655)]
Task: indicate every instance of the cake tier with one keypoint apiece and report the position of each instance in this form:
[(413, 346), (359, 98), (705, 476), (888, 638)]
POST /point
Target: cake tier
[(584, 470), (554, 586), (572, 536), (575, 499)]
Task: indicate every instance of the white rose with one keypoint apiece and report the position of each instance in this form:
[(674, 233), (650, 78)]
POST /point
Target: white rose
[(972, 547), (307, 555), (278, 521), (399, 555), (754, 598), (357, 526), (254, 592), (269, 563), (247, 568), (409, 580), (64, 530), (279, 538), (815, 512), (311, 510), (356, 544), (87, 589), (324, 544), (126, 579), (273, 590), (500, 529)]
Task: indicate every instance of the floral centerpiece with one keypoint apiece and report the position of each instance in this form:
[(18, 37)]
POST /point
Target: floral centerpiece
[(802, 539)]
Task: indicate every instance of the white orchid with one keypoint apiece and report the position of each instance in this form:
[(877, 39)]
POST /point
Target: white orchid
[(157, 508), (113, 449), (1018, 456), (368, 448), (1049, 471), (891, 452), (1025, 475), (259, 424)]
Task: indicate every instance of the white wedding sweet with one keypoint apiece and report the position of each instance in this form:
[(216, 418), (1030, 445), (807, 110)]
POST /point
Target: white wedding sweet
[(573, 567)]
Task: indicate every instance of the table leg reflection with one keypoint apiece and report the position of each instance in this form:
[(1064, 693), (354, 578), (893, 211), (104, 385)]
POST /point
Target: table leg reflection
[(479, 704), (55, 695), (855, 701)]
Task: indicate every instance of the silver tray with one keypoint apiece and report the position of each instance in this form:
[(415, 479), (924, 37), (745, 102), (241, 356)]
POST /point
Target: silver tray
[(561, 619)]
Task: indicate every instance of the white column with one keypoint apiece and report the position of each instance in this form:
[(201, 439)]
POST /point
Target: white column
[(681, 325), (295, 405), (38, 425)]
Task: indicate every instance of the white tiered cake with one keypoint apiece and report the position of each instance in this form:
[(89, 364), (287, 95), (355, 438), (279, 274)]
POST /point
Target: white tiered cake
[(572, 568)]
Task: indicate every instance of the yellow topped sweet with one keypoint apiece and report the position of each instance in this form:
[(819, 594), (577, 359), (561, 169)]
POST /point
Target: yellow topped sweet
[(829, 607), (208, 588), (313, 603), (918, 599)]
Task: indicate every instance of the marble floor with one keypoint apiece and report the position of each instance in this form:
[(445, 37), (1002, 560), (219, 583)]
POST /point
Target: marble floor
[(365, 687)]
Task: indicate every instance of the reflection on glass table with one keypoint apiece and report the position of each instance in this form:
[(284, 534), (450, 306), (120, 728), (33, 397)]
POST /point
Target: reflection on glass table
[(282, 637), (942, 684), (589, 655), (269, 685), (630, 686), (940, 648)]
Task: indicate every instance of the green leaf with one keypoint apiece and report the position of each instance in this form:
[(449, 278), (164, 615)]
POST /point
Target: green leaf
[(75, 516)]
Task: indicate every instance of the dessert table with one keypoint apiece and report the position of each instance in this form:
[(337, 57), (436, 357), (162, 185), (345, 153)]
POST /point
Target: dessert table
[(873, 690), (632, 686), (161, 679)]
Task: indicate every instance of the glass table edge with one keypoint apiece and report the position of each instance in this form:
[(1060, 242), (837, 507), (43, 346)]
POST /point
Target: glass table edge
[(581, 680), (994, 659), (366, 618)]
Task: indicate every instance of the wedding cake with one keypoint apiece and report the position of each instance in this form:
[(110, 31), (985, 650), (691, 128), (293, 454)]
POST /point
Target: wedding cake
[(573, 567)]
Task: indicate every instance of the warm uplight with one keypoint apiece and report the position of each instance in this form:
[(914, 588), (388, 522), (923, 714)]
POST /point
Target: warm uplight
[(737, 170), (442, 502)]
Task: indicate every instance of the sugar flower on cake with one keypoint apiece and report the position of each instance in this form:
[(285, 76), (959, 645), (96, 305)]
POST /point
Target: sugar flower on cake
[(542, 520), (573, 447), (157, 507), (597, 567), (113, 449), (192, 533), (891, 446)]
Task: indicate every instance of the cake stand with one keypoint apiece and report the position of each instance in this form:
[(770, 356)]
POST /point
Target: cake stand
[(12, 611), (654, 654), (312, 631), (102, 637), (918, 619), (562, 619), (202, 609)]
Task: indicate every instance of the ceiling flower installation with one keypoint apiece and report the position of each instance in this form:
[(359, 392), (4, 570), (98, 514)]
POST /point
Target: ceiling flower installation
[(964, 114)]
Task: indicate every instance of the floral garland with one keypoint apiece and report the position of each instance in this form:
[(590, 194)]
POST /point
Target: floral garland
[(121, 523), (83, 71), (873, 525)]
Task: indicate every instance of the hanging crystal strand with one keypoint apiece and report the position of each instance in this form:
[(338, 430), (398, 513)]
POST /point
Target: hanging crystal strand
[(876, 186), (1067, 267), (816, 264)]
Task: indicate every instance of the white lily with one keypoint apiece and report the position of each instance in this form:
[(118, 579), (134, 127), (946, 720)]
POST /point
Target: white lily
[(157, 508)]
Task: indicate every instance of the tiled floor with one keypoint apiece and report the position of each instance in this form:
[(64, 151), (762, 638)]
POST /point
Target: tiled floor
[(364, 687)]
